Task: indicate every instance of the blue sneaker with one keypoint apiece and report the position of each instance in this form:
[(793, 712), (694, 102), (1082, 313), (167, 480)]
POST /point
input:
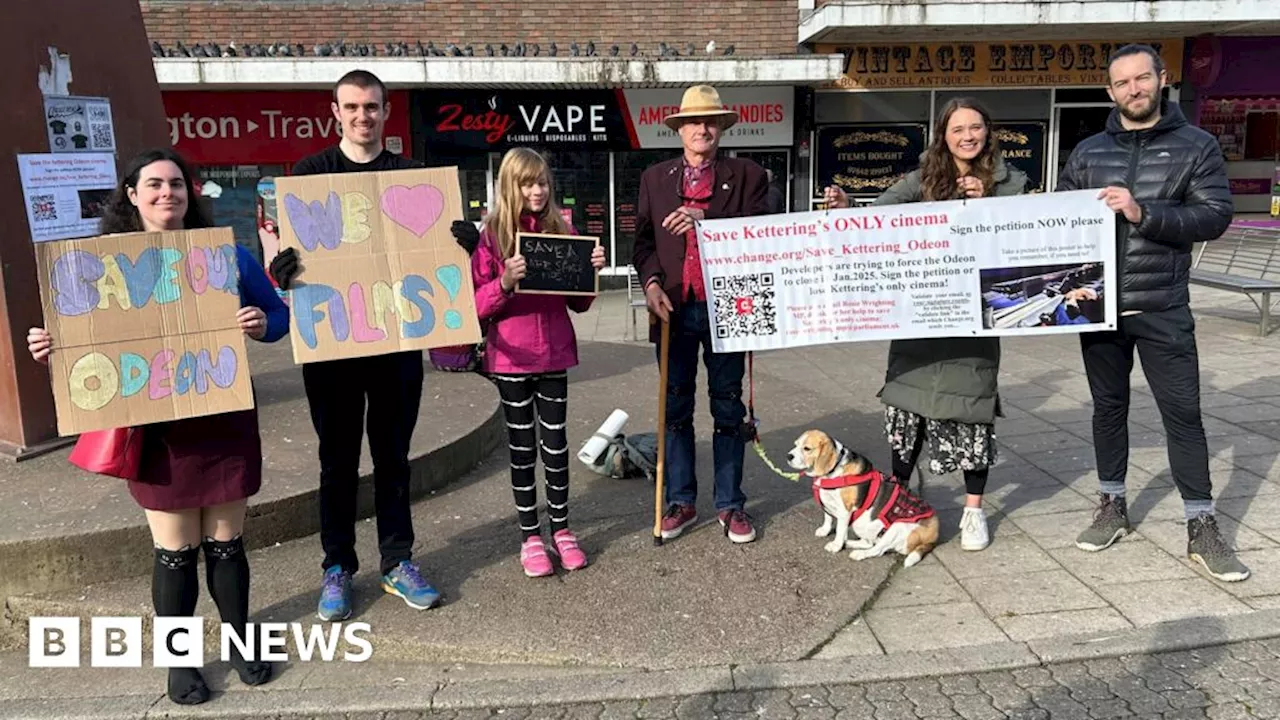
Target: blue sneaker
[(406, 581), (335, 595)]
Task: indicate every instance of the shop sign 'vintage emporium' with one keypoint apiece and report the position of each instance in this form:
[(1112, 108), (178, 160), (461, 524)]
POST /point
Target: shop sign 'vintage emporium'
[(1009, 64)]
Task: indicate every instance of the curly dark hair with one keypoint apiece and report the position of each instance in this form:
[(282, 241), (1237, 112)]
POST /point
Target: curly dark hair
[(938, 171), (120, 215)]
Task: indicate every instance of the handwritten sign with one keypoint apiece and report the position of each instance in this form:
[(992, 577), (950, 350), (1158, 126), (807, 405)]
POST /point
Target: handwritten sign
[(558, 264), (381, 270), (144, 328)]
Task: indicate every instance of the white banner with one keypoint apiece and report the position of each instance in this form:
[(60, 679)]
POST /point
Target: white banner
[(1023, 265), (765, 116)]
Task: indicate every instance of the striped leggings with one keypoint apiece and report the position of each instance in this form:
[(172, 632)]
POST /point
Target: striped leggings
[(548, 394)]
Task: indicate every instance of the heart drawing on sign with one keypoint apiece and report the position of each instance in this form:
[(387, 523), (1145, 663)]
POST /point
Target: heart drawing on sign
[(414, 208)]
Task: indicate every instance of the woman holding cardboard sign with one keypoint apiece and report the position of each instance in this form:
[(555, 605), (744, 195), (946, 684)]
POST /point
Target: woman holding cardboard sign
[(194, 475), (529, 345)]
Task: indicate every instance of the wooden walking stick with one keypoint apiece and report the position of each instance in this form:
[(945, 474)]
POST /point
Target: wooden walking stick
[(664, 352)]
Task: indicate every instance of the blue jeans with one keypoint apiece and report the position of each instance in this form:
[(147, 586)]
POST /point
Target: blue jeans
[(689, 331)]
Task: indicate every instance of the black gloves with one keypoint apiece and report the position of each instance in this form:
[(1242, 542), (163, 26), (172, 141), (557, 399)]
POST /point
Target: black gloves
[(466, 234), (284, 267)]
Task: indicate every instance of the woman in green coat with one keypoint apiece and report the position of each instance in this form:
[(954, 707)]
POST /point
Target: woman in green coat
[(944, 389)]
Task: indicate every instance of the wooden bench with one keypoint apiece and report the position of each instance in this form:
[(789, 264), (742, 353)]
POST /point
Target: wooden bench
[(1244, 260)]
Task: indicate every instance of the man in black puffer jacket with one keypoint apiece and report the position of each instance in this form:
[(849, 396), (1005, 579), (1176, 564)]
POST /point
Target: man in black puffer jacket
[(1167, 181)]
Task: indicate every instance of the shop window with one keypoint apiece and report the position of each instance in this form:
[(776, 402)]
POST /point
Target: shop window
[(582, 191), (231, 196), (887, 107), (1262, 135), (473, 175), (628, 167)]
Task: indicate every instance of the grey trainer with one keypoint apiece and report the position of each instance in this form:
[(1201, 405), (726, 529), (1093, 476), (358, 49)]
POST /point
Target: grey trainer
[(1206, 546), (1110, 523)]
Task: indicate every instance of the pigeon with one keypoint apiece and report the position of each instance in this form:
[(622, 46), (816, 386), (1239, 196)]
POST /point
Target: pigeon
[(157, 50), (503, 50), (520, 49), (635, 49), (199, 51), (689, 49), (299, 50), (488, 49), (728, 50), (468, 52), (711, 47), (591, 48), (553, 50), (573, 49), (613, 51), (420, 49), (452, 50), (537, 50), (182, 49), (231, 50)]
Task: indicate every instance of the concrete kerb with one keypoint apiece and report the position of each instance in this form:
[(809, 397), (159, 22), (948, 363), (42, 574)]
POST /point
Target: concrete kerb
[(72, 561), (429, 693)]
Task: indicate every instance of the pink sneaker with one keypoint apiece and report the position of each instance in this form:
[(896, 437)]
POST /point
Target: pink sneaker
[(566, 546), (533, 556)]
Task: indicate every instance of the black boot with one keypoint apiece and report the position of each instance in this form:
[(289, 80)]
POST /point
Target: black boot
[(228, 577), (174, 591), (1206, 546)]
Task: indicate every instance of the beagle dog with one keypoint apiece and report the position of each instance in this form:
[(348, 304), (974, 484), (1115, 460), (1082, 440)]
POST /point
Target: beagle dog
[(856, 498)]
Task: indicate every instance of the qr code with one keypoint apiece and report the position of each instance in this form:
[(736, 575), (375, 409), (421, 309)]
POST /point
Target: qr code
[(745, 306), (102, 136), (43, 208)]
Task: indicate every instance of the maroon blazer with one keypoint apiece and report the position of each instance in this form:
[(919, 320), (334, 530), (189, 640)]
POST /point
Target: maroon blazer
[(741, 190)]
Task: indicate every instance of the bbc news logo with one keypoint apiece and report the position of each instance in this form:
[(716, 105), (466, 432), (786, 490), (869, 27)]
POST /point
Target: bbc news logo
[(179, 642)]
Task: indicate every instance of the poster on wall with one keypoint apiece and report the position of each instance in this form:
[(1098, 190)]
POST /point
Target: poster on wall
[(66, 194), (144, 328), (79, 124), (1022, 145), (1021, 265), (382, 273), (866, 160)]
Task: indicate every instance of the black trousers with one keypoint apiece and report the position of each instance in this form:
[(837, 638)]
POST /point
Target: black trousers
[(337, 392), (1166, 341)]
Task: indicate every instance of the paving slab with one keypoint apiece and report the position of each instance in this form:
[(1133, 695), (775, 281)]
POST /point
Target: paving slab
[(60, 526), (1030, 593), (906, 629), (1147, 603), (1063, 622)]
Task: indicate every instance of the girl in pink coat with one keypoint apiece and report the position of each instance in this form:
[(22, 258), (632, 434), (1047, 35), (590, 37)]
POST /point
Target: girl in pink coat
[(530, 345)]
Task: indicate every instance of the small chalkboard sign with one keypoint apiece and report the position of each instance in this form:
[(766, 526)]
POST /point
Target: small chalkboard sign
[(558, 264)]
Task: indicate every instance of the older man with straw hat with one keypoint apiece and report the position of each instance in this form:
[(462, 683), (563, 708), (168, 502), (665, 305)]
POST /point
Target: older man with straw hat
[(674, 195)]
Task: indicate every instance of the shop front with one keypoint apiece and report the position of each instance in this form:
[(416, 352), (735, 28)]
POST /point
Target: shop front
[(598, 142), (871, 125), (1237, 99), (240, 141)]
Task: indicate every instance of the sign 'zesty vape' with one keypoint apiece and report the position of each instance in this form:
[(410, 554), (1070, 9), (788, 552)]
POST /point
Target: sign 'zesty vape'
[(506, 119)]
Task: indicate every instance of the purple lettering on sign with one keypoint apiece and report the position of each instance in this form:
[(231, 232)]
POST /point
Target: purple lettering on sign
[(222, 373), (73, 282), (161, 375), (316, 225)]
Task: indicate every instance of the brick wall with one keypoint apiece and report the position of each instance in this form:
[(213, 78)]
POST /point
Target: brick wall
[(753, 27)]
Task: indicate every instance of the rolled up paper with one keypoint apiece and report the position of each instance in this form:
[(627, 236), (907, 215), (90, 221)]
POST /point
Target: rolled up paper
[(596, 445)]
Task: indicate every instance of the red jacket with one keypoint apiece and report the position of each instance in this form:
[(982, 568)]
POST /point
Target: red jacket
[(527, 333), (741, 190)]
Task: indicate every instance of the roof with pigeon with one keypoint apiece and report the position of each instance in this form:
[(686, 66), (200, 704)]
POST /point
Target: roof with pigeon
[(341, 48)]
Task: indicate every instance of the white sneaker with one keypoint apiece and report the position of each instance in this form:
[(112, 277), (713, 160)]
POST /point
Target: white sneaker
[(973, 530)]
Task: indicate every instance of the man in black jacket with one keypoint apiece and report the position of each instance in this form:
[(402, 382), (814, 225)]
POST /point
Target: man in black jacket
[(1167, 181)]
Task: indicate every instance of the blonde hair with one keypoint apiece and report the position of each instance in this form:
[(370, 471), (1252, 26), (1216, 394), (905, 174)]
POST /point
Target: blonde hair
[(521, 167)]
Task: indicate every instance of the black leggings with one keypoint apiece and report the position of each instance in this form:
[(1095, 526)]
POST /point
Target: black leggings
[(548, 393), (975, 481)]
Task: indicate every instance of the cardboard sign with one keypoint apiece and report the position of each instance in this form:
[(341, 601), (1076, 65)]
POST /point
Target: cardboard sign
[(144, 328), (381, 272), (558, 264)]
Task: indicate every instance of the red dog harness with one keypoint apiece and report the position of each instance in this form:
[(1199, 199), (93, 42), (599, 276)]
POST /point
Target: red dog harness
[(901, 506)]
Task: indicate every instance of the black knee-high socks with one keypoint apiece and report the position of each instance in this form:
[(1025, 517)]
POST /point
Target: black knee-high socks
[(227, 573), (174, 591)]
